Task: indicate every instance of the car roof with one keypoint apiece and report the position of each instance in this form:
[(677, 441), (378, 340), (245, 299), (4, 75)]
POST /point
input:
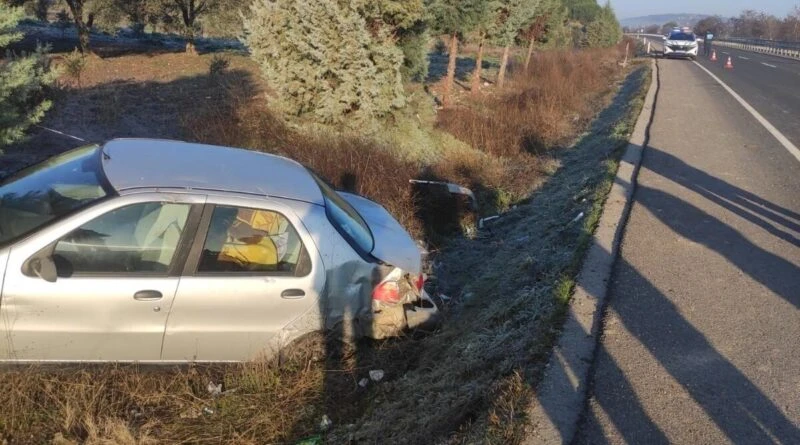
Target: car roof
[(157, 163)]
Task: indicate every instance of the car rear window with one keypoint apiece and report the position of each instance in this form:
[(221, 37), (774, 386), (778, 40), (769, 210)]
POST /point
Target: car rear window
[(682, 36), (345, 218)]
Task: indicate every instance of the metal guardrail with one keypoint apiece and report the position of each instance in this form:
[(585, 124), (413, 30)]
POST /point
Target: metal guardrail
[(774, 47)]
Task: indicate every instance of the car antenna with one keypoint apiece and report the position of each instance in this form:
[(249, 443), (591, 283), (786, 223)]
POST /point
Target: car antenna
[(61, 133)]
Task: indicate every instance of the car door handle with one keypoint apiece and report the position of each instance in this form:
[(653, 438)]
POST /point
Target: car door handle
[(293, 293), (147, 295)]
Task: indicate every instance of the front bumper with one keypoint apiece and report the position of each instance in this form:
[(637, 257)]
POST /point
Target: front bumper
[(392, 320), (684, 52)]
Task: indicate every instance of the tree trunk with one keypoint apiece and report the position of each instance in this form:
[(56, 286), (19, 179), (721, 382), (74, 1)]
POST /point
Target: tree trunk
[(76, 8), (476, 75), (451, 71), (501, 77), (530, 53)]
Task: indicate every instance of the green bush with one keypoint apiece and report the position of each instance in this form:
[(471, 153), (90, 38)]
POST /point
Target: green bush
[(22, 81), (323, 62)]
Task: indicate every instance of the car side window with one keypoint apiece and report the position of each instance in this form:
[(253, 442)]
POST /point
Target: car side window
[(251, 240), (136, 238)]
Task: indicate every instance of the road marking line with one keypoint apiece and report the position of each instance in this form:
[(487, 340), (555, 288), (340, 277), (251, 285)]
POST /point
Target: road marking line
[(767, 64), (744, 58), (787, 144)]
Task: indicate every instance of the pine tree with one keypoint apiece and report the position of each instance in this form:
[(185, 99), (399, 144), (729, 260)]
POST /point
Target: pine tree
[(513, 17), (547, 29), (22, 78), (323, 62), (455, 18), (405, 20)]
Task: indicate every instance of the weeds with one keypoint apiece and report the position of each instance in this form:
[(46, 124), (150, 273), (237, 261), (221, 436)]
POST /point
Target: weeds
[(508, 289), (217, 65), (74, 63)]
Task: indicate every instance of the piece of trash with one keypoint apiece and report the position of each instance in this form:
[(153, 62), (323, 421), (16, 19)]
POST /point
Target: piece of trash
[(363, 382), (325, 424), (444, 297), (207, 411), (214, 389), (577, 218), (483, 221), (376, 375)]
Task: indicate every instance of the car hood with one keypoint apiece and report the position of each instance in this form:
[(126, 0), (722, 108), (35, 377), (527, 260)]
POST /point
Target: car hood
[(393, 244)]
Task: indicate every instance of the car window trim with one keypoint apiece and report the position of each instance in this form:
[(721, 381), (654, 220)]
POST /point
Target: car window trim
[(196, 251), (178, 258)]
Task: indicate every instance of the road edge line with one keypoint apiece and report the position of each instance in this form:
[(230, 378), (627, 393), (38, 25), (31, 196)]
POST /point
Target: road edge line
[(557, 408), (783, 140)]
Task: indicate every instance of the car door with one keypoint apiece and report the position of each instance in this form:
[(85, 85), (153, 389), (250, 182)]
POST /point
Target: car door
[(118, 266), (253, 271)]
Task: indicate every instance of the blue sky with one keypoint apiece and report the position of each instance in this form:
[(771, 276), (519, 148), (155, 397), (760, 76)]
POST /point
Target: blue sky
[(635, 8)]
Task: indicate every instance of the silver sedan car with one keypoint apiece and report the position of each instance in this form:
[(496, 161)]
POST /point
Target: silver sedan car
[(160, 251)]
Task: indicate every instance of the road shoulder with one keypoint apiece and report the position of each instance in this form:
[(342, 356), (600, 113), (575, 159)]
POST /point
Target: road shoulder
[(555, 412)]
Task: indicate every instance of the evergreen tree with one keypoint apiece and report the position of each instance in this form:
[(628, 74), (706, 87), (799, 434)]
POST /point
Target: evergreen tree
[(484, 27), (323, 61), (548, 28), (604, 31), (405, 20), (22, 79), (513, 17), (455, 18)]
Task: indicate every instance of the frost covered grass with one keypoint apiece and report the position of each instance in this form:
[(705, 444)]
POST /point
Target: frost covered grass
[(468, 383)]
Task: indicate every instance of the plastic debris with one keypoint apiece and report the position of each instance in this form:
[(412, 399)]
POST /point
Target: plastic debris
[(482, 222), (208, 411), (444, 297), (214, 389), (376, 375), (577, 218), (363, 382), (325, 424)]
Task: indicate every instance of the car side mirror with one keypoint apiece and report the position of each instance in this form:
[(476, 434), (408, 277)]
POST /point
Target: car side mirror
[(42, 265)]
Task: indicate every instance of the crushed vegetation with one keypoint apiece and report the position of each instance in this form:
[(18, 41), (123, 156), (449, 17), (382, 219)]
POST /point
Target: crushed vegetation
[(539, 153)]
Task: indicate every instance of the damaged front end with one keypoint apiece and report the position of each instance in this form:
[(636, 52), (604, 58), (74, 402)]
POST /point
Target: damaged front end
[(400, 302)]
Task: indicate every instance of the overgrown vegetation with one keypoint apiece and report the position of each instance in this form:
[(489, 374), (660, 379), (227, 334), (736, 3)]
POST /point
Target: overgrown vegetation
[(23, 79), (331, 67)]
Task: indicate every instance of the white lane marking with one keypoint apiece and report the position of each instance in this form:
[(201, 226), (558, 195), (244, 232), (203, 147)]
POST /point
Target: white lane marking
[(787, 144), (744, 58), (767, 64)]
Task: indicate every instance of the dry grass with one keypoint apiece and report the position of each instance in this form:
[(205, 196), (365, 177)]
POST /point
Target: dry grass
[(473, 378)]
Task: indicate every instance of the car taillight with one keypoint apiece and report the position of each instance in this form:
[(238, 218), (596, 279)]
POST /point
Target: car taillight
[(388, 292), (420, 281)]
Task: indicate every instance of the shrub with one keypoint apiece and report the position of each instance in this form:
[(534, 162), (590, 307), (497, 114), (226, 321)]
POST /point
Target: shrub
[(22, 82), (217, 65), (74, 63), (323, 62)]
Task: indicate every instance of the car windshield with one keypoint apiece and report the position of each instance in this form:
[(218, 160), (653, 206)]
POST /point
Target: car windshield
[(345, 218), (50, 190), (682, 36)]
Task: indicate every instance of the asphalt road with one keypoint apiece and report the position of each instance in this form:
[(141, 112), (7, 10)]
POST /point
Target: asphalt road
[(771, 84), (701, 338)]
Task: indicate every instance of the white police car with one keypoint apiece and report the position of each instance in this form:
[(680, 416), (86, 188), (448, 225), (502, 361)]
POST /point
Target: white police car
[(681, 43)]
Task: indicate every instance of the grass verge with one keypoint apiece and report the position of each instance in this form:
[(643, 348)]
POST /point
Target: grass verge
[(468, 382)]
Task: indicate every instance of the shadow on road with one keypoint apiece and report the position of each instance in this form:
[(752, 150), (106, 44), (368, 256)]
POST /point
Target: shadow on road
[(741, 411)]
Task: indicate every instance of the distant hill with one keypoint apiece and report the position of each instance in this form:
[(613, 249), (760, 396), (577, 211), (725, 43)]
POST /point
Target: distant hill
[(660, 19)]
